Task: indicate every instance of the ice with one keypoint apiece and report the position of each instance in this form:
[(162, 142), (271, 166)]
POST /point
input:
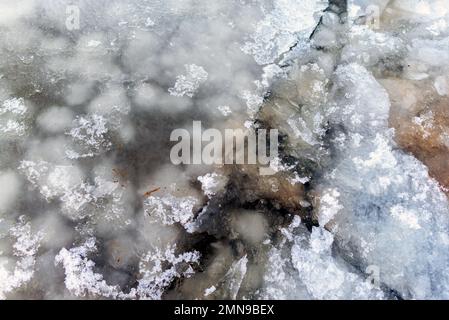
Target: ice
[(8, 195), (55, 119), (442, 86), (288, 23), (323, 276), (233, 278), (78, 93), (302, 266), (91, 206), (387, 197)]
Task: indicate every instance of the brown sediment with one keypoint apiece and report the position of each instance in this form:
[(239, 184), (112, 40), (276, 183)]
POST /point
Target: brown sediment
[(277, 188), (420, 118)]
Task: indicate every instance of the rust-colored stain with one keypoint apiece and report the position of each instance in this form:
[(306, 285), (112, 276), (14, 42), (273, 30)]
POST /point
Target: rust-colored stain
[(149, 193), (425, 140)]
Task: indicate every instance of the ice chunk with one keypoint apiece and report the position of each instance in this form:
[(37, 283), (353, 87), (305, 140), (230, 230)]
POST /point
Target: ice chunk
[(386, 197), (281, 28)]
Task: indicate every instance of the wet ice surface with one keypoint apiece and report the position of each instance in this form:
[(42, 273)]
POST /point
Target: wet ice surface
[(91, 206)]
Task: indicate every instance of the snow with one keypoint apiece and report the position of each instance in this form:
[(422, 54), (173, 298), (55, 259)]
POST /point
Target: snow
[(157, 270), (323, 277), (80, 277)]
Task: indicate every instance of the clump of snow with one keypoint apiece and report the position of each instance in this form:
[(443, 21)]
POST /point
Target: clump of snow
[(170, 209), (187, 85), (158, 268), (212, 183), (80, 277), (13, 117), (91, 133), (25, 248), (79, 198)]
